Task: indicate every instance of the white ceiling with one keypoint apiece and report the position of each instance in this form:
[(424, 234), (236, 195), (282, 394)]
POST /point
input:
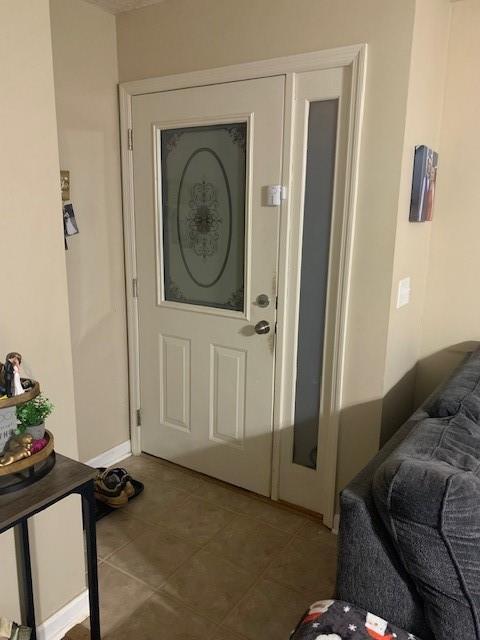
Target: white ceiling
[(117, 6)]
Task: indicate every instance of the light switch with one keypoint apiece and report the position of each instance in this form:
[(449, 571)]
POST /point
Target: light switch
[(403, 295)]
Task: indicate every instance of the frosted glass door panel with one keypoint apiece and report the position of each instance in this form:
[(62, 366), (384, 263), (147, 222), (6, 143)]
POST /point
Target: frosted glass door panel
[(319, 180), (203, 178)]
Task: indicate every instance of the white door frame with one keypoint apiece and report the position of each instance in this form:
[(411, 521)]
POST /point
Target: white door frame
[(355, 58)]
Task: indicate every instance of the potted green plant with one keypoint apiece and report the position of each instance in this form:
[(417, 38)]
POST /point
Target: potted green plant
[(31, 416)]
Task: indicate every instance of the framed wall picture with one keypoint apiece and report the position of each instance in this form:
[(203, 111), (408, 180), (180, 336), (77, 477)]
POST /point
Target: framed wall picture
[(69, 220), (423, 185)]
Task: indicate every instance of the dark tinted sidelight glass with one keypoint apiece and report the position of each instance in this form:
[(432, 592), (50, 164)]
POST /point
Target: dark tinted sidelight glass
[(319, 181)]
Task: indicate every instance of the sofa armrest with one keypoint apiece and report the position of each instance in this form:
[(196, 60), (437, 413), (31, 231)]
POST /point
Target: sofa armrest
[(370, 573)]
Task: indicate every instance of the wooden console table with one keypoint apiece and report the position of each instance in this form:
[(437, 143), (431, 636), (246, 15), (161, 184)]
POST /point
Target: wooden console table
[(66, 478)]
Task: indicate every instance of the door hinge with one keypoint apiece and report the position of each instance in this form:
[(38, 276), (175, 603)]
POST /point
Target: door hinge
[(130, 139), (135, 288), (139, 418)]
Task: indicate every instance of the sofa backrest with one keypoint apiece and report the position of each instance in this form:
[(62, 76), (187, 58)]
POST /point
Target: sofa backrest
[(427, 493), (461, 393)]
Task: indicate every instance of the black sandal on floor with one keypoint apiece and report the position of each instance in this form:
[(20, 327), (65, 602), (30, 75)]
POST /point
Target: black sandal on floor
[(110, 488)]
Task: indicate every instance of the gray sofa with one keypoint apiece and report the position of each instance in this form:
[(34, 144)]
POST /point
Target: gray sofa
[(409, 541)]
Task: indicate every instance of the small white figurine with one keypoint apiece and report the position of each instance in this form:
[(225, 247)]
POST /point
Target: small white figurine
[(12, 374)]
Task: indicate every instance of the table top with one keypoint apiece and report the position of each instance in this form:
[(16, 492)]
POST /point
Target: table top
[(64, 478)]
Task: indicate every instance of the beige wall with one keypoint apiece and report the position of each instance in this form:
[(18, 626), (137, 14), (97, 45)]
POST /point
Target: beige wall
[(412, 241), (86, 77), (184, 35), (34, 309), (452, 308)]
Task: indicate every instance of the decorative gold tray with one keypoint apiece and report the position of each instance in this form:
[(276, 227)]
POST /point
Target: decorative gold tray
[(26, 463), (24, 397)]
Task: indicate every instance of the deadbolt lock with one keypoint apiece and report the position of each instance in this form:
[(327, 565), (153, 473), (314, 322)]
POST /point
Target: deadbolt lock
[(262, 300)]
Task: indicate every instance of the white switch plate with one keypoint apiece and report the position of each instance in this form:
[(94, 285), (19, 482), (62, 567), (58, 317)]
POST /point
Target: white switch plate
[(403, 295)]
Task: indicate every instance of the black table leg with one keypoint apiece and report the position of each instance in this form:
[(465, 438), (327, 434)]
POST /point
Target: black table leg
[(89, 524), (24, 569)]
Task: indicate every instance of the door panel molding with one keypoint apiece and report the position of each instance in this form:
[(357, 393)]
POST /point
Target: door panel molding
[(175, 390), (227, 409), (354, 58)]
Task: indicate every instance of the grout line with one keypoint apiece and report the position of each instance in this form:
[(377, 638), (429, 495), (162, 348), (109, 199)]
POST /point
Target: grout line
[(262, 575), (238, 490), (249, 496), (236, 515), (182, 605), (130, 575), (134, 539), (200, 548), (250, 515), (256, 581)]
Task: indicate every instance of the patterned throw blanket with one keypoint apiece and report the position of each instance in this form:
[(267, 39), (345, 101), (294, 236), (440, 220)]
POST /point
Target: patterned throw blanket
[(336, 620)]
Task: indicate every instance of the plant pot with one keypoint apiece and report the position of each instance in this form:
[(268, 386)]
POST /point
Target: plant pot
[(37, 432)]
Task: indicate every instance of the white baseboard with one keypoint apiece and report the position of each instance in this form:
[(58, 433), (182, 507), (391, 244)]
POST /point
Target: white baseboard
[(336, 523), (55, 627), (112, 456)]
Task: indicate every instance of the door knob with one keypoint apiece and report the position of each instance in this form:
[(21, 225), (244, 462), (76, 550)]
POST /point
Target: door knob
[(262, 327)]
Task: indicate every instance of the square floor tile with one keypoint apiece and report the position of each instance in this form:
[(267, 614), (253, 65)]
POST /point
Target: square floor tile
[(225, 634), (150, 470), (225, 497), (315, 531), (139, 466), (154, 505), (306, 566), (201, 545), (269, 610), (153, 557), (209, 584), (197, 520), (275, 516), (248, 543), (160, 618), (121, 597), (116, 530)]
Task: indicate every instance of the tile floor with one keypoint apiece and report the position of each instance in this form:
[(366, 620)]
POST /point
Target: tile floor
[(194, 559)]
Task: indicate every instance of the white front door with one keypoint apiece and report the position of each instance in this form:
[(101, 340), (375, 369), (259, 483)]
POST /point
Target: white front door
[(207, 248)]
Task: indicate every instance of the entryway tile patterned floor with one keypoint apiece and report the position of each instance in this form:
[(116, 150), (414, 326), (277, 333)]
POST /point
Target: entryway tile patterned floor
[(194, 559)]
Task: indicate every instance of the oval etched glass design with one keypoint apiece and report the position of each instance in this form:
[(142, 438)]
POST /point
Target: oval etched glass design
[(203, 227), (203, 177)]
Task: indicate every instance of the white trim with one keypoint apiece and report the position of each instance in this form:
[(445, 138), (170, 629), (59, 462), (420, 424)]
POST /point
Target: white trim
[(315, 61), (130, 267), (112, 456), (357, 101), (336, 524), (353, 57), (74, 612)]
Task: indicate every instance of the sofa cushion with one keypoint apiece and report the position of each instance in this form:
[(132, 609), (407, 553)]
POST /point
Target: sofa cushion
[(460, 393), (428, 495)]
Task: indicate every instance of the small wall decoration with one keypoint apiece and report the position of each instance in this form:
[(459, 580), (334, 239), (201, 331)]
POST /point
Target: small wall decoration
[(69, 221), (423, 186), (65, 184)]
